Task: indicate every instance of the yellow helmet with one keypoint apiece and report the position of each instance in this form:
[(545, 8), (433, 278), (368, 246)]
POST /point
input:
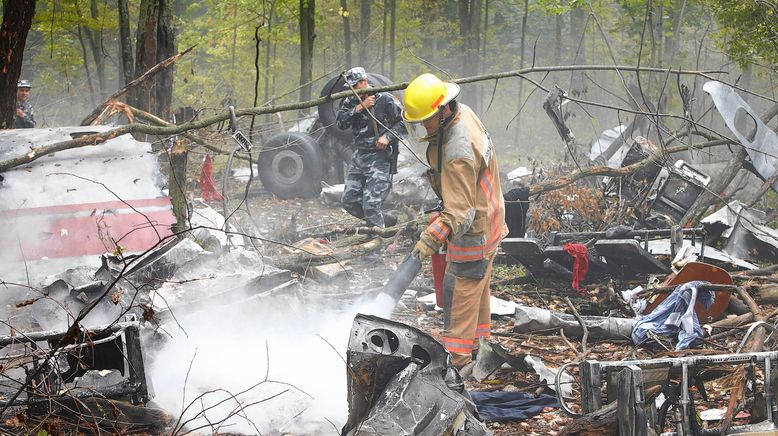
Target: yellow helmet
[(424, 95)]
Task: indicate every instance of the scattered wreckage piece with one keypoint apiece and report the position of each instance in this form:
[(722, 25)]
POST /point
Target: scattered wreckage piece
[(155, 265), (492, 356), (699, 271), (280, 287), (530, 319), (678, 191), (639, 124), (629, 257), (87, 201), (708, 254), (102, 363), (747, 235), (626, 382), (529, 253), (327, 271), (760, 142), (625, 252), (553, 107), (676, 234), (497, 306), (400, 382)]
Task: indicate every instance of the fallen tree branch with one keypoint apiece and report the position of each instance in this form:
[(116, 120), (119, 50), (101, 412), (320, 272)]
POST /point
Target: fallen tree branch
[(584, 351), (754, 345), (302, 260), (82, 141), (766, 271), (561, 182), (204, 122), (145, 76), (151, 118), (331, 230)]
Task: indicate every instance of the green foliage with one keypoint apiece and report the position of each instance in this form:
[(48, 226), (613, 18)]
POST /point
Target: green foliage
[(55, 58), (221, 68), (749, 30)]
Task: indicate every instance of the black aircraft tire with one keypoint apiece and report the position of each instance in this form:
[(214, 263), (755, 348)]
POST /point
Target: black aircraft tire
[(290, 165), (328, 110)]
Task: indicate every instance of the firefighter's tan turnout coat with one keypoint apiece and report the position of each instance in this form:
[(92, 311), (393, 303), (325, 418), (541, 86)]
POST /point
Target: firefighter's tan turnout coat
[(471, 226)]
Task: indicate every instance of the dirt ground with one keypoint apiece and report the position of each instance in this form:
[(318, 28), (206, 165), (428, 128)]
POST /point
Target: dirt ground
[(281, 218)]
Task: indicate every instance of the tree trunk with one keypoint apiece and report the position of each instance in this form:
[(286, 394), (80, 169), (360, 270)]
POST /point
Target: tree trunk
[(166, 47), (672, 46), (125, 45), (578, 35), (307, 35), (383, 42), (470, 31), (346, 33), (234, 37), (392, 21), (578, 20), (96, 45), (558, 40), (92, 117), (17, 19), (521, 65), (177, 185), (146, 53), (268, 49), (87, 70), (364, 32), (155, 42)]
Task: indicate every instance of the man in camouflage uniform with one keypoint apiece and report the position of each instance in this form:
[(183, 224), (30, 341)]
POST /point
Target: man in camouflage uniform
[(369, 177), (23, 118)]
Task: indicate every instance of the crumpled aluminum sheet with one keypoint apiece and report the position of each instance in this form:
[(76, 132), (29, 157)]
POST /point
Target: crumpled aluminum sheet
[(763, 149)]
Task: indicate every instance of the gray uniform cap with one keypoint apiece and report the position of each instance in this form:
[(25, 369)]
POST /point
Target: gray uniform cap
[(23, 84), (354, 75)]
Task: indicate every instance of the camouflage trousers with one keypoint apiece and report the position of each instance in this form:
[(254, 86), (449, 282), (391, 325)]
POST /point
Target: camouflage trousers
[(368, 183)]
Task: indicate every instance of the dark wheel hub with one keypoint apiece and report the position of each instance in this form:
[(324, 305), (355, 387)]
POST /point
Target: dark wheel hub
[(288, 165)]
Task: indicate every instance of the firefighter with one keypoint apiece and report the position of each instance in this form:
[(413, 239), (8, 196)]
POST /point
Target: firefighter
[(465, 177)]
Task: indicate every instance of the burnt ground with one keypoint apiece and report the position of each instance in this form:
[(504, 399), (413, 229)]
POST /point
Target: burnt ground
[(280, 219)]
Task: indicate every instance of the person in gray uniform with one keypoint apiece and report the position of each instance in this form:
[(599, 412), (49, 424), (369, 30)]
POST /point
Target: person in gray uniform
[(376, 140), (23, 118)]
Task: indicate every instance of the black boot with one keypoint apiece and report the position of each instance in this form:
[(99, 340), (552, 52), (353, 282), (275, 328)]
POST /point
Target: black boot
[(389, 219)]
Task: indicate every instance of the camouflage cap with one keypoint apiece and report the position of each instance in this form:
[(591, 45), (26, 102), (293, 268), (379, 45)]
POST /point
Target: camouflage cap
[(354, 75), (23, 84)]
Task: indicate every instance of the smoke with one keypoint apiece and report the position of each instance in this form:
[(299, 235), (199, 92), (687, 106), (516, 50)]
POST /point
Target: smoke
[(284, 366)]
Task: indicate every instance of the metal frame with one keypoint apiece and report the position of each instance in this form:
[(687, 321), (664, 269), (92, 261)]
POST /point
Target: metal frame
[(632, 418), (124, 335)]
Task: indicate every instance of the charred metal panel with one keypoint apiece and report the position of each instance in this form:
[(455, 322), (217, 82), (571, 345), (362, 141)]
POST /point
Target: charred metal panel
[(400, 383), (628, 255), (633, 377), (679, 191), (72, 371)]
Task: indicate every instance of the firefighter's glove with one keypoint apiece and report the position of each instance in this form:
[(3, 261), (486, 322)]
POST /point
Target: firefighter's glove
[(423, 250)]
